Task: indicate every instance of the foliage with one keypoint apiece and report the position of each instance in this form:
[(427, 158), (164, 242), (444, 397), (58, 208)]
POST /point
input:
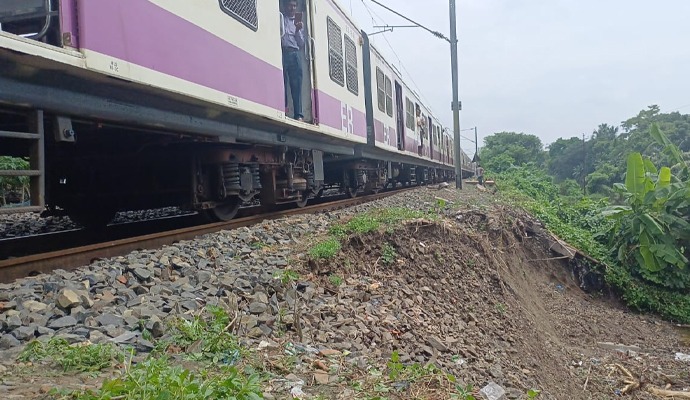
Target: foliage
[(375, 219), (13, 183), (503, 149), (206, 337), (156, 379), (652, 232), (76, 358), (335, 280), (326, 249), (286, 276), (388, 254), (581, 223)]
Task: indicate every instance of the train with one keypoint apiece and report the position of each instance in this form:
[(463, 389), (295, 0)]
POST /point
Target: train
[(136, 104)]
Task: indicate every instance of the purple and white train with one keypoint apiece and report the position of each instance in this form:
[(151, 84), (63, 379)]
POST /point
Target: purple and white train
[(133, 104)]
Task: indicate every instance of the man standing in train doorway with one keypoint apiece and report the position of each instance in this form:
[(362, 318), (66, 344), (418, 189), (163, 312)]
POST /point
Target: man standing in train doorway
[(292, 41)]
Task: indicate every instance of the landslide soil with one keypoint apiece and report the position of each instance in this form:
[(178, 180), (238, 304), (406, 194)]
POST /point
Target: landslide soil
[(503, 307)]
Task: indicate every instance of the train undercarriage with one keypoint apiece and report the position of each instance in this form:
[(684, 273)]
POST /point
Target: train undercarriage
[(90, 170)]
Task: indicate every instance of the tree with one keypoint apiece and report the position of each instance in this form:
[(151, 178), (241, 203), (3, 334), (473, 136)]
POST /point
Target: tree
[(565, 159), (505, 148)]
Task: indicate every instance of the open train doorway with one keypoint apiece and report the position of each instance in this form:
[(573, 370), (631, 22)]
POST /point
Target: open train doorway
[(295, 28), (400, 116)]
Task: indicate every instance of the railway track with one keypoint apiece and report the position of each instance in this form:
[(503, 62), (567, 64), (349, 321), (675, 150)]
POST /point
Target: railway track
[(75, 257)]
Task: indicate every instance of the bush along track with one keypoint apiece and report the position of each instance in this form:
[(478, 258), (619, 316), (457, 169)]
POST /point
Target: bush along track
[(642, 244)]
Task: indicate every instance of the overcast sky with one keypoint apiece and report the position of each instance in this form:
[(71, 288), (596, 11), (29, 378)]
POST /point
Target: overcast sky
[(552, 68)]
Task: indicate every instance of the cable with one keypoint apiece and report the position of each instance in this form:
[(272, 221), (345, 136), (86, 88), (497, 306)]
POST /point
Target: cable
[(409, 75)]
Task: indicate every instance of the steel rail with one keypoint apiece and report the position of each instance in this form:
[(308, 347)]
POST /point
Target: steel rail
[(73, 258)]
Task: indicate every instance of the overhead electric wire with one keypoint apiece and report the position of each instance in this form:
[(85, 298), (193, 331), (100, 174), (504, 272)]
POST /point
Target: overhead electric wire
[(409, 75)]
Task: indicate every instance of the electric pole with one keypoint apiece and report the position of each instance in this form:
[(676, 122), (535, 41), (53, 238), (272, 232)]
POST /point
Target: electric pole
[(456, 102), (456, 106), (584, 165), (476, 144)]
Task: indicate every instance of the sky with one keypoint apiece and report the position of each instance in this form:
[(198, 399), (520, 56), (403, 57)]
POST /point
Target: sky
[(551, 68)]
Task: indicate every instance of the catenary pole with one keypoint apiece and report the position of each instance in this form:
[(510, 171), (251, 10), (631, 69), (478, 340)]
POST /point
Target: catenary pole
[(456, 102), (476, 143)]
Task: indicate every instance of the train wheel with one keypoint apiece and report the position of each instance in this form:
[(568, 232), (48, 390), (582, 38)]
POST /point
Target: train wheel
[(303, 201), (225, 211), (351, 192)]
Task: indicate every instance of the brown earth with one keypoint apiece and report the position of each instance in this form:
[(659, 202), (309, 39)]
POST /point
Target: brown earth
[(503, 308)]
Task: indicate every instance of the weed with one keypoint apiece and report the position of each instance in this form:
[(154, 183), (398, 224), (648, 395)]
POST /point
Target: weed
[(464, 392), (388, 254), (326, 249), (362, 224), (208, 338), (77, 358), (335, 280), (157, 379), (438, 257), (258, 245), (286, 276), (338, 231), (501, 308), (533, 393)]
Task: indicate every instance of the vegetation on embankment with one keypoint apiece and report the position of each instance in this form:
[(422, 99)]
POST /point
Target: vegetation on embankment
[(641, 232)]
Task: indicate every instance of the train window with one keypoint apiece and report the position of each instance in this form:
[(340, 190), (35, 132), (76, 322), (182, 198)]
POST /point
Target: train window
[(243, 11), (381, 89), (409, 113), (389, 97), (351, 65), (336, 63)]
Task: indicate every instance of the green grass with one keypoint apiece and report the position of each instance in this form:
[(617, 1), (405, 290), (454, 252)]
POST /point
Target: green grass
[(206, 338), (286, 276), (326, 249), (73, 358), (335, 280), (376, 219), (388, 254), (157, 379)]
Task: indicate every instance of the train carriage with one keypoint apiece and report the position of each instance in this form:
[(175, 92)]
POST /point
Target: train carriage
[(147, 103)]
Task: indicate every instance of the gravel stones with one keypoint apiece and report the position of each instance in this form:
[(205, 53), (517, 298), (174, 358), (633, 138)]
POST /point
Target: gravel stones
[(63, 322), (68, 298)]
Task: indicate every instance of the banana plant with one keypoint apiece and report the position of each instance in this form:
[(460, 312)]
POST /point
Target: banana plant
[(651, 229)]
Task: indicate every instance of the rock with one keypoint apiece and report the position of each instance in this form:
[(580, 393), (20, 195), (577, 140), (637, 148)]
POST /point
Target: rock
[(437, 344), (125, 337), (496, 371), (98, 337), (142, 274), (110, 319), (63, 322), (68, 298), (321, 378), (13, 323), (618, 347), (492, 391), (24, 333), (257, 308), (34, 306), (8, 342)]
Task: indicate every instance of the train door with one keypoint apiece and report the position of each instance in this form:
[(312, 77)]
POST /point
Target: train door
[(400, 116), (431, 138), (306, 58)]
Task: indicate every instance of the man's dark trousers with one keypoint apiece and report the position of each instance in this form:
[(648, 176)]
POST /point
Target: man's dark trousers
[(292, 74)]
